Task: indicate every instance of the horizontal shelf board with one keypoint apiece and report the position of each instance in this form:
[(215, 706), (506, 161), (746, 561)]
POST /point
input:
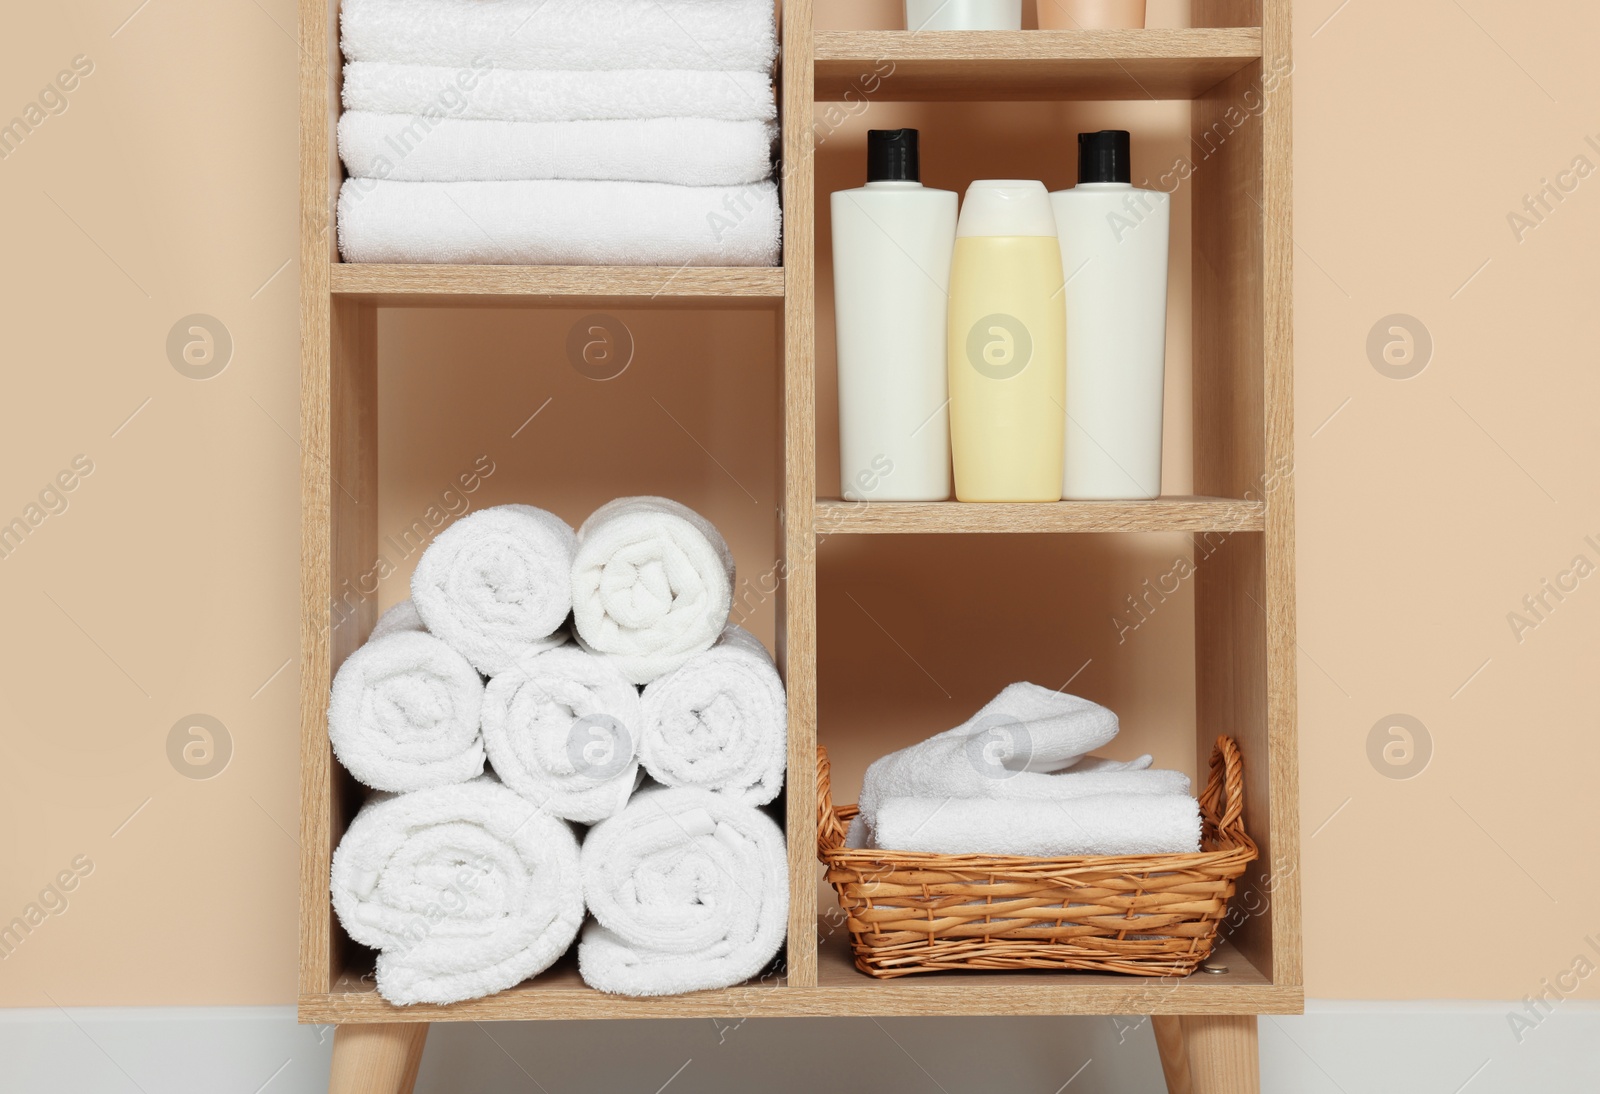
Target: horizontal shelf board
[(990, 65), (842, 991), (640, 286), (1174, 514)]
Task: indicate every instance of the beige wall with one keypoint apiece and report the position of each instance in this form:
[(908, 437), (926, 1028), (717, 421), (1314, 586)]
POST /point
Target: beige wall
[(1428, 507)]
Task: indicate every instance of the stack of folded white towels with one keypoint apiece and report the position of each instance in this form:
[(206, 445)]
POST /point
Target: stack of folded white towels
[(1017, 778), (470, 872), (551, 132)]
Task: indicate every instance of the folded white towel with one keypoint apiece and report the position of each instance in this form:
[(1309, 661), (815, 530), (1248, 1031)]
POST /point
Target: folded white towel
[(495, 585), (404, 713), (652, 585), (465, 890), (590, 34), (690, 892), (559, 222), (719, 722), (682, 151), (499, 94), (1007, 750), (1101, 824), (563, 730), (1090, 777)]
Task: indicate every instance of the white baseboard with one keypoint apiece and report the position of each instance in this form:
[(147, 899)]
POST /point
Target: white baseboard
[(1336, 1048)]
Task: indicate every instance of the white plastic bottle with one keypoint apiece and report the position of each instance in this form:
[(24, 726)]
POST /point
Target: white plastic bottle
[(1114, 242), (963, 15), (892, 241)]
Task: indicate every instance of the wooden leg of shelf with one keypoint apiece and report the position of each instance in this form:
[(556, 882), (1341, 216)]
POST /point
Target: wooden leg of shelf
[(1224, 1055), (1174, 1054), (377, 1059)]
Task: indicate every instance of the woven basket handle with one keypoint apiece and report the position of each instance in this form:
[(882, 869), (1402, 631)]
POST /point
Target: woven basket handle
[(1223, 799), (831, 827)]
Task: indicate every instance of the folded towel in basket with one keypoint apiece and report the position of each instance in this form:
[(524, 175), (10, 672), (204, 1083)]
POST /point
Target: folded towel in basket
[(496, 584), (719, 722), (464, 890), (431, 93), (689, 890), (652, 585), (405, 708), (682, 151), (589, 34), (1100, 824), (1009, 749), (559, 222), (562, 730)]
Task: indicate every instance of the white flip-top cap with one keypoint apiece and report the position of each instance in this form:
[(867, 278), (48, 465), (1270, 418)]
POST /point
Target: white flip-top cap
[(1006, 207)]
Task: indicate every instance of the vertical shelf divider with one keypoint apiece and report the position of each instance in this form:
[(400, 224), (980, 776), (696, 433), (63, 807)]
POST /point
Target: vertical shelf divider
[(797, 624)]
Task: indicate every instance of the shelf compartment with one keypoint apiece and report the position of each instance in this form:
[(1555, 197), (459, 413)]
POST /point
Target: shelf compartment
[(1172, 514), (841, 991), (988, 66), (414, 286)]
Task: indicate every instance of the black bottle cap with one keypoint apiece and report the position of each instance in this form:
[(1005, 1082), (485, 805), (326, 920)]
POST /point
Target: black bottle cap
[(892, 156), (1105, 156)]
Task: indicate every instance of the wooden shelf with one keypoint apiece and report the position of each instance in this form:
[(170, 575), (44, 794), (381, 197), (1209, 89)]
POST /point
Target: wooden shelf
[(1175, 514), (636, 286), (937, 66), (841, 991)]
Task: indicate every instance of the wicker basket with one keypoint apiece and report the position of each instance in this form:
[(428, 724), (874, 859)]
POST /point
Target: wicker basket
[(1145, 915)]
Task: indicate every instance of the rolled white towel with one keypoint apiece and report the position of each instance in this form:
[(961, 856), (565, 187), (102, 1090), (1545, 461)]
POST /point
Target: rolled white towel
[(560, 222), (405, 708), (586, 34), (563, 731), (1101, 824), (428, 93), (719, 722), (682, 151), (465, 890), (652, 585), (689, 890), (496, 585)]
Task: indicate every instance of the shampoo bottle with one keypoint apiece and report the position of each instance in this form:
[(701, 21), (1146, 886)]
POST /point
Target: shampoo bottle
[(1114, 242), (1006, 346), (892, 240)]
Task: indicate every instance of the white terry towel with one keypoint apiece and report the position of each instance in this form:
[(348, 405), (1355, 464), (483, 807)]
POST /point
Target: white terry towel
[(1009, 749), (690, 891), (652, 585), (719, 722), (465, 890), (499, 94), (563, 731), (588, 34), (559, 222), (496, 585), (1100, 824), (405, 708), (682, 151)]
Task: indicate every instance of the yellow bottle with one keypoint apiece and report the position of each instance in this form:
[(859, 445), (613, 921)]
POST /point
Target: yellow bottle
[(1007, 346)]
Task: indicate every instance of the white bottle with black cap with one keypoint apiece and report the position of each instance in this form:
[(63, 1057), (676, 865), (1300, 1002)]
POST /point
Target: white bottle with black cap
[(1114, 242), (892, 241)]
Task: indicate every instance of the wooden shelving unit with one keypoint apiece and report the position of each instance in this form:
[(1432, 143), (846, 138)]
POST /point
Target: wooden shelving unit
[(1242, 424)]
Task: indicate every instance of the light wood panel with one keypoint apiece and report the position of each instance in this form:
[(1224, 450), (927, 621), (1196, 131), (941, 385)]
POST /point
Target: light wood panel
[(1243, 425), (797, 620), (1176, 514), (934, 66), (841, 991), (638, 286)]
